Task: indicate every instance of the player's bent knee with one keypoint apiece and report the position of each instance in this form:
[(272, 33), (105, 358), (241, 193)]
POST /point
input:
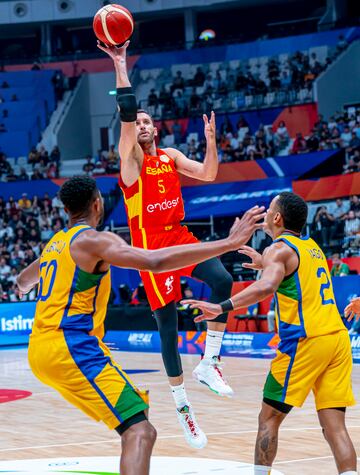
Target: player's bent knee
[(273, 412), (223, 280)]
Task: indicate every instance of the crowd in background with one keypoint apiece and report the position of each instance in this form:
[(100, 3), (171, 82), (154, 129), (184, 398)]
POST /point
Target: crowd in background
[(25, 227), (39, 165), (104, 163), (240, 143), (338, 223), (181, 96), (259, 82)]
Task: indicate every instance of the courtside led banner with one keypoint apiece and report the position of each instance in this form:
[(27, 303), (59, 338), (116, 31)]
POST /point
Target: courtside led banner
[(16, 320)]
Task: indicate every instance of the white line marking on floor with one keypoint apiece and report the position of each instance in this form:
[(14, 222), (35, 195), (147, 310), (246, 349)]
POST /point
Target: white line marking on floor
[(309, 459), (162, 437)]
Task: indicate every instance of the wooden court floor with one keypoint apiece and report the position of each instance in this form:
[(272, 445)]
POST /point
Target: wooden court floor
[(46, 426)]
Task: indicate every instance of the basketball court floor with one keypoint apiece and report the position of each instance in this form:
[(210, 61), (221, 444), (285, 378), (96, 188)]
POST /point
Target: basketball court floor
[(40, 433)]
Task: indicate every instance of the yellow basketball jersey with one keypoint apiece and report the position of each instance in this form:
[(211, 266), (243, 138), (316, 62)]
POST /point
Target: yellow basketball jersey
[(69, 298), (305, 302)]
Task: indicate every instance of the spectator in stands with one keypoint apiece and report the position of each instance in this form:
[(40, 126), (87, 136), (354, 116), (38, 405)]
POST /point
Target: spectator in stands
[(2, 127), (52, 171), (89, 166), (5, 114), (113, 156), (37, 175), (178, 82), (14, 98), (23, 175), (58, 83), (176, 130), (353, 164), (324, 220), (355, 205), (113, 161), (339, 268), (281, 136), (4, 164), (199, 77), (194, 102), (5, 85), (180, 104), (4, 269), (339, 213), (55, 155), (153, 100), (299, 145), (33, 157), (3, 295), (352, 233), (345, 137), (11, 175), (24, 203)]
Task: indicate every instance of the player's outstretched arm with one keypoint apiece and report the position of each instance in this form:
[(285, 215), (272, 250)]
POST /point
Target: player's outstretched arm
[(129, 149), (207, 170), (111, 249), (274, 270), (29, 277), (353, 309)]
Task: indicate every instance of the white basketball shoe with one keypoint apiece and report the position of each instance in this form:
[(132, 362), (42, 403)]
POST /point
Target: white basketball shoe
[(194, 436), (209, 372)]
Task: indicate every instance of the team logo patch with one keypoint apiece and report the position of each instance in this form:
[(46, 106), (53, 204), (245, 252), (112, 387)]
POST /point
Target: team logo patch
[(164, 158), (110, 466), (169, 284)]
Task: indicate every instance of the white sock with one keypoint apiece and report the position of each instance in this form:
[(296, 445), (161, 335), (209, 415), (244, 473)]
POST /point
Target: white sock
[(213, 343), (262, 470), (179, 395), (351, 472)]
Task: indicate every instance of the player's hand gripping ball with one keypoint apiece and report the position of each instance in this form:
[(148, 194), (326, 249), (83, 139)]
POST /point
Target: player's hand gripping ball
[(113, 24)]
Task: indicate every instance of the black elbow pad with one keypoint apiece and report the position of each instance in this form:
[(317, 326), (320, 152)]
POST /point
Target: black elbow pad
[(126, 101)]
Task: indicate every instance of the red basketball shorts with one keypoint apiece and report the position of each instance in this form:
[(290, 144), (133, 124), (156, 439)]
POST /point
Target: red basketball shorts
[(164, 287)]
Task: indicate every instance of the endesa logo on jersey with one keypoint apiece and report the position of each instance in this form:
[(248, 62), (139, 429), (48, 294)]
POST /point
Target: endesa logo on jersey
[(163, 206)]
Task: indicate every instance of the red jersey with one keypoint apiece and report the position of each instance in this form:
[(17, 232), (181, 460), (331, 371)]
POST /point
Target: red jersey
[(154, 201), (154, 208)]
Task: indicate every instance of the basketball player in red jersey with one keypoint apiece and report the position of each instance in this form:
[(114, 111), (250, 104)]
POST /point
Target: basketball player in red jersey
[(149, 179)]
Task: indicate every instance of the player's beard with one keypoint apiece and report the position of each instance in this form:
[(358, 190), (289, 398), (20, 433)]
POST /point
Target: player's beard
[(146, 140)]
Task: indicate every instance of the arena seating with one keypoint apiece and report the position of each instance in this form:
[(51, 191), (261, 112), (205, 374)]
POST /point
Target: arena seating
[(25, 117)]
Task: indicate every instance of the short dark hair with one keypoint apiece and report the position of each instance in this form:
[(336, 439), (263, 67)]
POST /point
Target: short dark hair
[(294, 211), (143, 111), (78, 193)]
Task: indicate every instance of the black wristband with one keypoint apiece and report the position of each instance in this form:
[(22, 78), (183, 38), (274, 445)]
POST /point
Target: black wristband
[(126, 101), (227, 305)]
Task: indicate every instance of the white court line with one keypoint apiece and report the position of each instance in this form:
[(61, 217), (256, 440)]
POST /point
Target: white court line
[(306, 459), (285, 429)]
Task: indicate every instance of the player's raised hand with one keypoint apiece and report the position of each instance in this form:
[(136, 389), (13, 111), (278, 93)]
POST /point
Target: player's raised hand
[(243, 228), (210, 126), (209, 310), (353, 310), (256, 258), (115, 53)]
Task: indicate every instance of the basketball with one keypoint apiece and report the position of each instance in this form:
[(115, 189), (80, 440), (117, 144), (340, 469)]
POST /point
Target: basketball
[(113, 24)]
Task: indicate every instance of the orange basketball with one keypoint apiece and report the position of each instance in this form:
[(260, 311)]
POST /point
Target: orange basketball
[(113, 24)]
